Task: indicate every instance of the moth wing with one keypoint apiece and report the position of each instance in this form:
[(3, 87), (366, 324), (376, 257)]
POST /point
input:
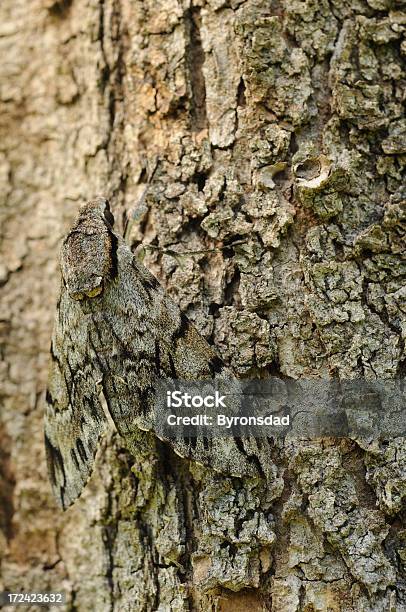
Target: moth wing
[(74, 417), (151, 340)]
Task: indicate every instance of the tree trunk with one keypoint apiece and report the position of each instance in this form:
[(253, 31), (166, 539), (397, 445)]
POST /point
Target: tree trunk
[(277, 135)]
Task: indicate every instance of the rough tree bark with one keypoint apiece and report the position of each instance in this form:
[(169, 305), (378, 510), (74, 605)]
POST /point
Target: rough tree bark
[(277, 125)]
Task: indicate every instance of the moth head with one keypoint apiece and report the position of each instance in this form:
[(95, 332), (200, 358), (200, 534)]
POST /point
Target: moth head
[(89, 252), (99, 207)]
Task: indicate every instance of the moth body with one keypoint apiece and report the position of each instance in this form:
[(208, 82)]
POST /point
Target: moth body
[(117, 334)]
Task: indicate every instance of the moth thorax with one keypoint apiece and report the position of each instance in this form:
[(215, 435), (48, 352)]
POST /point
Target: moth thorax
[(86, 264)]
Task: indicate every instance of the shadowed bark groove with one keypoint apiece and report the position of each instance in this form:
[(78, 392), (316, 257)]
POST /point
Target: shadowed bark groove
[(195, 54)]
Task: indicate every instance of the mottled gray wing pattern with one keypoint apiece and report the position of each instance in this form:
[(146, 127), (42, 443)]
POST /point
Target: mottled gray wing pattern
[(74, 418), (116, 331), (150, 339)]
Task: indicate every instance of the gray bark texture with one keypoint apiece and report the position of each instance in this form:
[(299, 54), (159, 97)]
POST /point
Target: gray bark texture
[(277, 133)]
